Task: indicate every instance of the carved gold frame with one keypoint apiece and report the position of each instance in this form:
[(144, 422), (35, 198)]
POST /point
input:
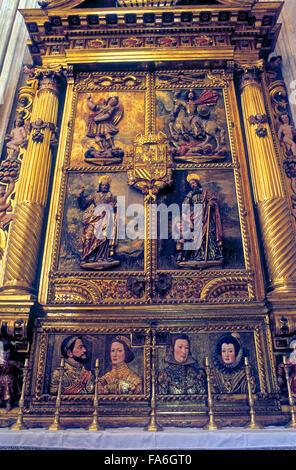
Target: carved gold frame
[(40, 344), (134, 410), (248, 280)]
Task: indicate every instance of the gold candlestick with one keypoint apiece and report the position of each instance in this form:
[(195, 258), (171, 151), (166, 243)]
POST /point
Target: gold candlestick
[(292, 423), (56, 422), (211, 426), (94, 426), (19, 424), (153, 425), (252, 424)]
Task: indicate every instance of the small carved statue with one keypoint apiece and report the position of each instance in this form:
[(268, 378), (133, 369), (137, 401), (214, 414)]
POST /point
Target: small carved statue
[(228, 373), (181, 376), (5, 205), (287, 134), (10, 375), (121, 379), (99, 233), (17, 137), (274, 69), (76, 379), (204, 247)]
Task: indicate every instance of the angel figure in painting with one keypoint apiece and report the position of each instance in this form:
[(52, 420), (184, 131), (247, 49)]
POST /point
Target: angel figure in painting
[(228, 373), (102, 127), (121, 379), (76, 378), (200, 245), (181, 376), (99, 227)]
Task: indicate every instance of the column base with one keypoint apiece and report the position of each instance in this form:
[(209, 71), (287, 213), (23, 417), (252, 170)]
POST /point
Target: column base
[(283, 292)]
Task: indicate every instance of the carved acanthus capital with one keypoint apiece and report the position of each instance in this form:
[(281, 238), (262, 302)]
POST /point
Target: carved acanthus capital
[(249, 73), (49, 77)]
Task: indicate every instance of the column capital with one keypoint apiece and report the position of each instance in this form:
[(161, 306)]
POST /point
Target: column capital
[(249, 72), (49, 77)]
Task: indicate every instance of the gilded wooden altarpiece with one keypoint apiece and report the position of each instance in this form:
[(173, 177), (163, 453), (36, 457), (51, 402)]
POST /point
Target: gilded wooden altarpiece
[(130, 112), (144, 97)]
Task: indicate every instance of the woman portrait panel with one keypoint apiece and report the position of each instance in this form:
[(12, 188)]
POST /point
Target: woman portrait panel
[(228, 373), (121, 379)]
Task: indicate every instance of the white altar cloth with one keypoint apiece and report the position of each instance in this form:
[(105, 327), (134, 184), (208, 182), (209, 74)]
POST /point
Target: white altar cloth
[(275, 438)]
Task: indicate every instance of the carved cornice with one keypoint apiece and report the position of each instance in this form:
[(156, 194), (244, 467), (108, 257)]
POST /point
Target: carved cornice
[(59, 31), (69, 4)]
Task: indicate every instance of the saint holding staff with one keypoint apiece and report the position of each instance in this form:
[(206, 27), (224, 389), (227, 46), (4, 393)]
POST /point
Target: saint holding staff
[(204, 248), (99, 232)]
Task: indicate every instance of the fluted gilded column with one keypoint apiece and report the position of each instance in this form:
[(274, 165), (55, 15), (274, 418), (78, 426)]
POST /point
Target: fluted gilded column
[(31, 197), (273, 210)]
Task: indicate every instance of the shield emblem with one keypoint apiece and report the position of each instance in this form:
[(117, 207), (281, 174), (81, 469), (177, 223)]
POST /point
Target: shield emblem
[(152, 162)]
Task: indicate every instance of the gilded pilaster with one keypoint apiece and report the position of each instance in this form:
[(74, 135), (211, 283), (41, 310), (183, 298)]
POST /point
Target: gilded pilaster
[(31, 197), (268, 187)]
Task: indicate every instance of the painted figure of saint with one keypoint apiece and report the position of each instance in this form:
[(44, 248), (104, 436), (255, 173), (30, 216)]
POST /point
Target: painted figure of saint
[(76, 379), (181, 376), (121, 379), (205, 226), (192, 130), (99, 232), (228, 373)]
